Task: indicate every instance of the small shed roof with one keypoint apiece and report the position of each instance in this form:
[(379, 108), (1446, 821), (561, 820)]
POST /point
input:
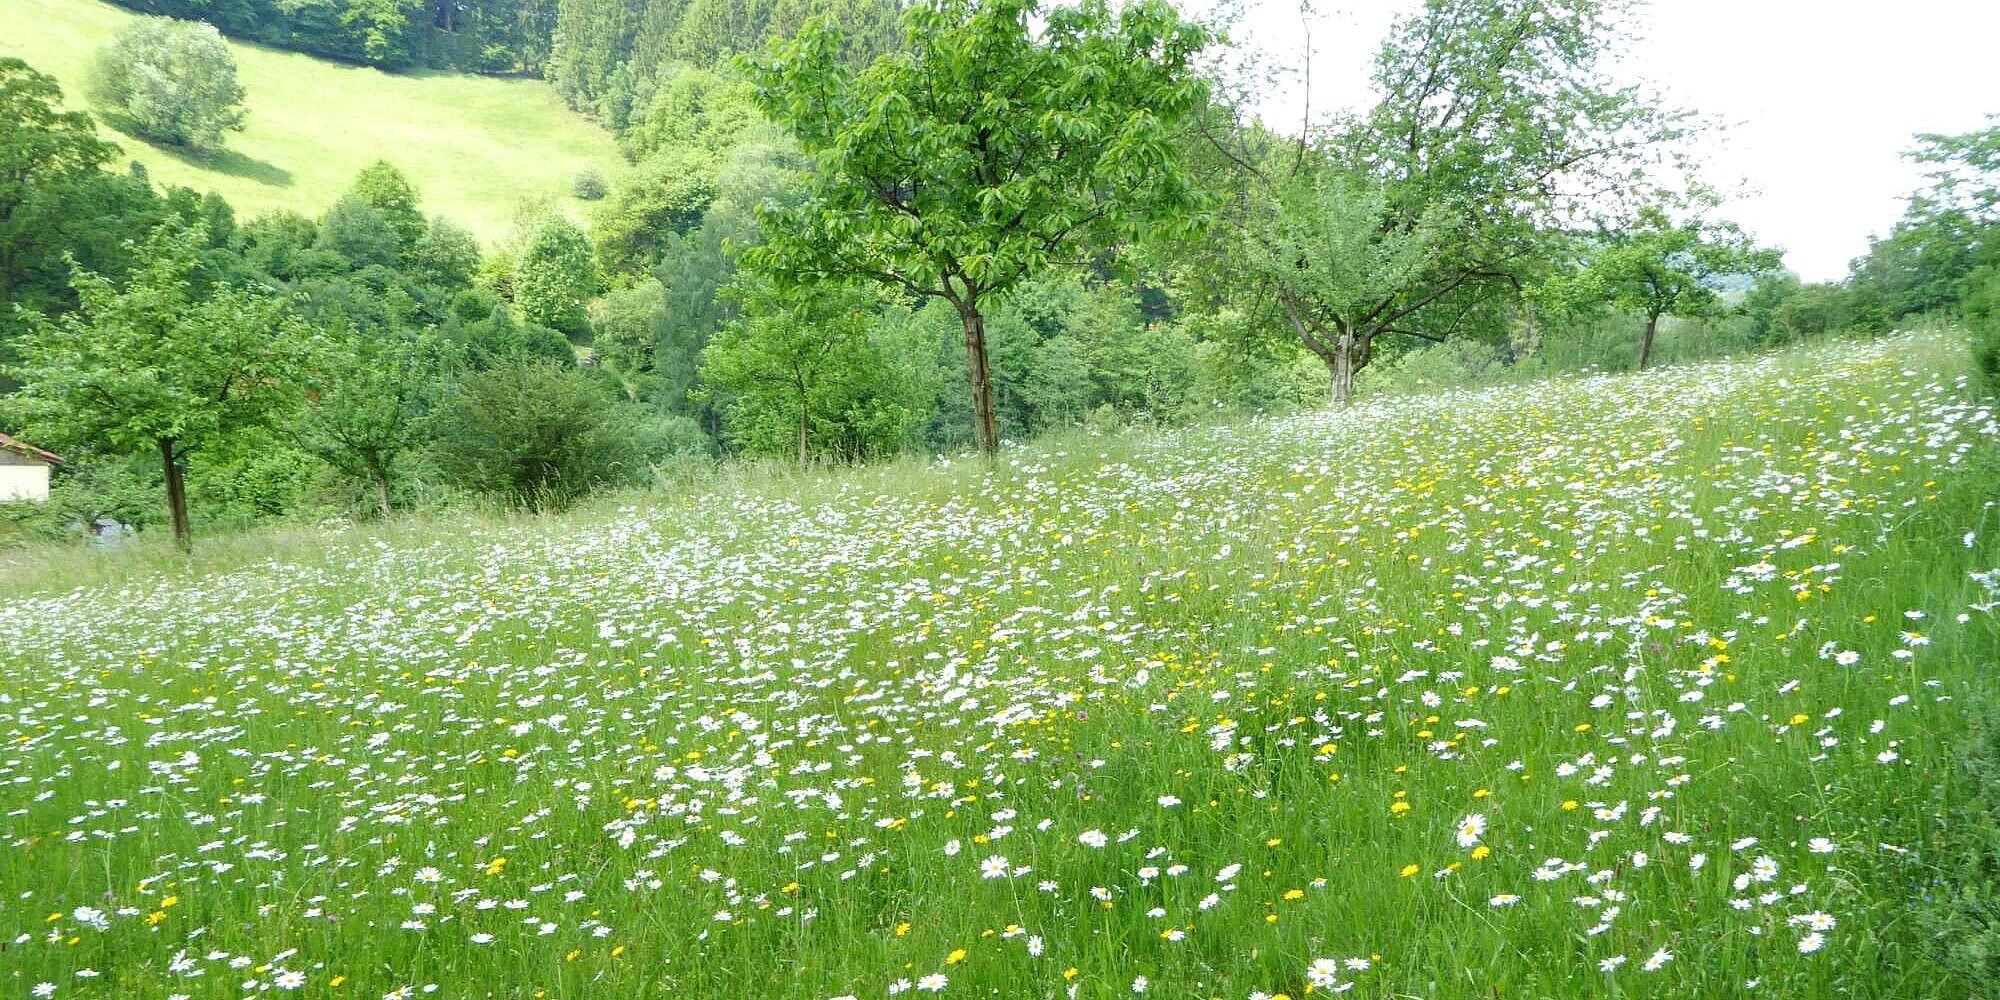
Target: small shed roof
[(21, 447)]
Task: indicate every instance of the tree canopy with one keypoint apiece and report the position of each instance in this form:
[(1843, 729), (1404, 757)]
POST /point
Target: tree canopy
[(1496, 127), (157, 365), (171, 81), (1658, 267), (1000, 140)]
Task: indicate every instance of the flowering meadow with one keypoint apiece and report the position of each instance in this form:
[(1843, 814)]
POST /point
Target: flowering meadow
[(1610, 685)]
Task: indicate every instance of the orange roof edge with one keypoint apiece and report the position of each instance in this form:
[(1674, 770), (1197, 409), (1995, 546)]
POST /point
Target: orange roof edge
[(19, 446)]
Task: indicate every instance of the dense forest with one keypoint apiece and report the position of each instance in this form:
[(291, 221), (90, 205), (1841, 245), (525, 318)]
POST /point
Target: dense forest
[(852, 230), (590, 49)]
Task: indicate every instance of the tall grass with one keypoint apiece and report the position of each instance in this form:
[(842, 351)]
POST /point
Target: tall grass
[(1607, 686)]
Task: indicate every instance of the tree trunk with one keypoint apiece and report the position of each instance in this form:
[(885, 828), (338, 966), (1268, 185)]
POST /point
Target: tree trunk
[(804, 413), (177, 506), (381, 477), (1646, 342), (1342, 366), (984, 428)]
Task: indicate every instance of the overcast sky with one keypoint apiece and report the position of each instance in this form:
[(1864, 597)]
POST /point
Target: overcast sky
[(1819, 97)]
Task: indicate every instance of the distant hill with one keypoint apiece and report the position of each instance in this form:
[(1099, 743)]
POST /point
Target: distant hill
[(475, 146)]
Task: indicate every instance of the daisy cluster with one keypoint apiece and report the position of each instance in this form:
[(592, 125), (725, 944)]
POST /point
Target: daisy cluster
[(1609, 686)]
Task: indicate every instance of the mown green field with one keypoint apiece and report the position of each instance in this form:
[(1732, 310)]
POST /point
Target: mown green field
[(1609, 686), (474, 146)]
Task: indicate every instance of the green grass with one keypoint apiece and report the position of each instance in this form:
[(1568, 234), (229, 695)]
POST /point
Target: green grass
[(1696, 646), (474, 146)]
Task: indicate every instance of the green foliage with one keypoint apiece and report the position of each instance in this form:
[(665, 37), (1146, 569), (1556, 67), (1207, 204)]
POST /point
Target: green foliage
[(869, 28), (1962, 915), (818, 375), (1823, 308), (1495, 118), (1921, 266), (150, 361), (39, 142), (712, 29), (446, 256), (366, 396), (982, 151), (611, 57), (483, 333), (1067, 349), (152, 366), (658, 336), (388, 192), (662, 197), (49, 161), (257, 474), (1965, 174), (1244, 368), (555, 276), (1456, 362), (693, 109), (278, 244), (591, 38), (1982, 317), (116, 489), (624, 326), (536, 434), (671, 439), (1329, 242), (1766, 296), (359, 234), (1950, 230), (170, 81), (1657, 267), (588, 186)]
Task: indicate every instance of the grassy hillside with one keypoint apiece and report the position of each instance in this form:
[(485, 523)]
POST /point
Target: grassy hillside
[(1611, 686), (473, 145)]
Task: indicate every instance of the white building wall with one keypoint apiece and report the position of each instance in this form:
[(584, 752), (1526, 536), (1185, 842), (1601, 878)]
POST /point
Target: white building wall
[(24, 482)]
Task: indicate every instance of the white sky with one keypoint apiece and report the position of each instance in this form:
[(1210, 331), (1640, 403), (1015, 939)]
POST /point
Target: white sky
[(1818, 97)]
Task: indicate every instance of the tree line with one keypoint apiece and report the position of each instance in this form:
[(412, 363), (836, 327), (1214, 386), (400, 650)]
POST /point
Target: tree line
[(986, 220), (587, 48)]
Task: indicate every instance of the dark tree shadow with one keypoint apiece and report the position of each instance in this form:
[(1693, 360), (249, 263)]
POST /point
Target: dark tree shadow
[(221, 161)]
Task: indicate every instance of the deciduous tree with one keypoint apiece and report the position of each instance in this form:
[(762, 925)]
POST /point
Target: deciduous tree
[(366, 395), (555, 276), (152, 366), (389, 193), (1497, 126), (172, 81), (1000, 140), (1658, 267)]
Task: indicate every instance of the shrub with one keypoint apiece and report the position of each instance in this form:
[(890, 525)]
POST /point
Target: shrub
[(588, 186), (446, 256), (1962, 918), (1432, 366), (169, 80), (1982, 316), (670, 438), (358, 233), (536, 434)]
